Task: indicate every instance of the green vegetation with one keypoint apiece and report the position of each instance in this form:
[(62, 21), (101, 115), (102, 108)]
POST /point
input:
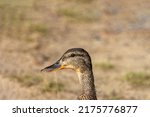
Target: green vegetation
[(17, 2), (28, 80), (138, 79), (81, 1), (84, 1), (105, 66), (31, 80), (80, 15), (53, 86), (39, 28), (17, 23)]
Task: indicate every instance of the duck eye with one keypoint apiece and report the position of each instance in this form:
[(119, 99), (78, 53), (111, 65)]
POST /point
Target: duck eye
[(72, 55)]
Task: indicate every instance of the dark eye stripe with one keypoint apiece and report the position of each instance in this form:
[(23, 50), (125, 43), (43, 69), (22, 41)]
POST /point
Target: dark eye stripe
[(75, 55), (72, 55)]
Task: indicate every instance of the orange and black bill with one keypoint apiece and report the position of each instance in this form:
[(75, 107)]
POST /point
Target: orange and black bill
[(53, 67)]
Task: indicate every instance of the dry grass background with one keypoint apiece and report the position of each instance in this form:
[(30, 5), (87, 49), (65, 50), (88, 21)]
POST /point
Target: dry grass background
[(35, 33)]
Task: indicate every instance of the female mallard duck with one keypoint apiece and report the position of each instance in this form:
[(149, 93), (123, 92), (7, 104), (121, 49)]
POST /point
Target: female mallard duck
[(79, 60)]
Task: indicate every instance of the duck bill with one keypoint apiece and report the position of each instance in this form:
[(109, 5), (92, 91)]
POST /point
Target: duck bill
[(53, 67)]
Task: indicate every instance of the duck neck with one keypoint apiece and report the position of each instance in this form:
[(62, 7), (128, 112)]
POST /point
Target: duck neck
[(86, 79)]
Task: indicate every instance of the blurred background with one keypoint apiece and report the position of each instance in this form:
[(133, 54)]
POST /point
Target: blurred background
[(35, 33)]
